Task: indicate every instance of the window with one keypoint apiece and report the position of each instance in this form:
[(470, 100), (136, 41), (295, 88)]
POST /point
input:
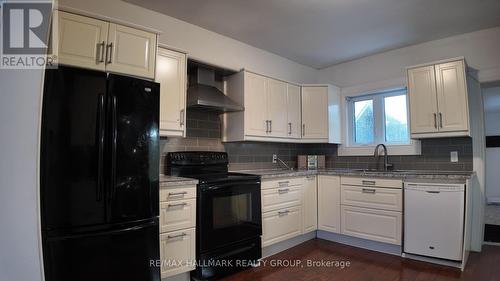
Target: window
[(378, 118)]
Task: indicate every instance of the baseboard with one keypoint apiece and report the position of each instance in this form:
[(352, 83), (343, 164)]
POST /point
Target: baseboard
[(287, 244), (456, 264), (360, 243)]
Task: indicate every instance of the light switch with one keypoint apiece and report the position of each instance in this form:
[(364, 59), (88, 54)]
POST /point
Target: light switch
[(454, 156)]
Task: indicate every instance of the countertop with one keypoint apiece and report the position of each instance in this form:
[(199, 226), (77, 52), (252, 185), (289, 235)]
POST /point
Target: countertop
[(410, 174), (174, 181)]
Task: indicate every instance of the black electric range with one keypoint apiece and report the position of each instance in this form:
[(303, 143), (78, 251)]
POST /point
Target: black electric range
[(228, 214)]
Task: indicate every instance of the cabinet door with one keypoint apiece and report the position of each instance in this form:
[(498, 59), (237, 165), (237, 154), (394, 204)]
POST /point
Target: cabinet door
[(293, 111), (315, 112), (329, 203), (452, 97), (171, 74), (277, 107), (176, 215), (131, 51), (256, 107), (177, 252), (309, 205), (423, 103), (281, 225), (372, 224), (81, 41)]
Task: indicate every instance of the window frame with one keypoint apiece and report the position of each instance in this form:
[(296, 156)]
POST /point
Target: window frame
[(351, 148)]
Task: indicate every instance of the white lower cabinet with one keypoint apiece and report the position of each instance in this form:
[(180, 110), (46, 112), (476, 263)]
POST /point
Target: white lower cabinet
[(177, 215), (377, 225), (280, 225), (309, 204), (177, 229), (177, 252), (278, 198), (329, 203)]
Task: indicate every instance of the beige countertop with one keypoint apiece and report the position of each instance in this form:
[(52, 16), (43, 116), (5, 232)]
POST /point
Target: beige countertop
[(175, 181), (407, 175)]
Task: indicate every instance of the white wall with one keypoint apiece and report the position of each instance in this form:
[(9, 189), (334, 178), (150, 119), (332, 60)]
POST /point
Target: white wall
[(199, 43), (492, 124), (20, 94), (480, 49)]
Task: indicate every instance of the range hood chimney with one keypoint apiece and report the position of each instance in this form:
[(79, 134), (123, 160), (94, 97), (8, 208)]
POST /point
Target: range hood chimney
[(203, 92)]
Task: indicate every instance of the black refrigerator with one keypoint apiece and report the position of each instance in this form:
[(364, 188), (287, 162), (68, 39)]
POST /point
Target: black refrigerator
[(99, 176)]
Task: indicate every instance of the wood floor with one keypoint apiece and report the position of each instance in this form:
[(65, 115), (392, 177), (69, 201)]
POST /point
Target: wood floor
[(367, 265)]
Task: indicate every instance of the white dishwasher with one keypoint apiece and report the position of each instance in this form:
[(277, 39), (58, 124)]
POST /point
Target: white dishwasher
[(434, 220)]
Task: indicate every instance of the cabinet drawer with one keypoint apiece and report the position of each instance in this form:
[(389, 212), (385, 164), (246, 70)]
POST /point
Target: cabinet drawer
[(278, 198), (280, 225), (177, 215), (281, 183), (177, 252), (177, 192), (364, 181), (372, 197), (377, 225)]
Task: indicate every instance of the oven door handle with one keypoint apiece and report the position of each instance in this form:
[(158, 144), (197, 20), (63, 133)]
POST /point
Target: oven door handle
[(215, 187)]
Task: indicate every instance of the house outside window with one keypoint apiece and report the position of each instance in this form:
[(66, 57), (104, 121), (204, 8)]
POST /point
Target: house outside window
[(378, 117)]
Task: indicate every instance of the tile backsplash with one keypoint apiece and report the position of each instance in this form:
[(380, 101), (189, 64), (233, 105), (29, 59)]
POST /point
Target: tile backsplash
[(204, 129)]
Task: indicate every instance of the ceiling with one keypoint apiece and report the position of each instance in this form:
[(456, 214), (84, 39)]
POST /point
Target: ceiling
[(321, 33)]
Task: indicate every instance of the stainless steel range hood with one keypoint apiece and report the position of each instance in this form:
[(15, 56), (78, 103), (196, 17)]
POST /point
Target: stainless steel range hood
[(204, 92)]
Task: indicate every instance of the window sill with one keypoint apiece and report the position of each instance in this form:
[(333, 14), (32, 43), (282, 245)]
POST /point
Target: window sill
[(414, 148)]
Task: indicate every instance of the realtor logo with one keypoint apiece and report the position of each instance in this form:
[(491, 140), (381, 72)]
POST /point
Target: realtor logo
[(25, 35)]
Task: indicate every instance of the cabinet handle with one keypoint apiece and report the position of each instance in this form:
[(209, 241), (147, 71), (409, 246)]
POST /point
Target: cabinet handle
[(270, 126), (440, 120), (434, 192), (365, 182), (368, 190), (284, 190), (182, 117), (176, 236), (102, 51), (110, 53), (283, 213), (283, 183), (177, 193), (435, 121), (303, 129), (289, 128), (267, 126), (177, 205)]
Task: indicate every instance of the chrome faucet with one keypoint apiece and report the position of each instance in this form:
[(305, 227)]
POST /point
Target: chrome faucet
[(386, 160), (281, 162)]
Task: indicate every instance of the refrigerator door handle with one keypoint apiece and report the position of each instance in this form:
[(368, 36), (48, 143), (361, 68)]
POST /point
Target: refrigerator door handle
[(113, 148), (100, 156)]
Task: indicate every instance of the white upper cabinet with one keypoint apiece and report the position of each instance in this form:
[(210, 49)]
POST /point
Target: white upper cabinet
[(272, 109), (294, 111), (81, 41), (278, 111), (423, 103), (131, 51), (277, 108), (256, 105), (452, 97), (171, 74), (91, 43), (315, 112), (438, 100)]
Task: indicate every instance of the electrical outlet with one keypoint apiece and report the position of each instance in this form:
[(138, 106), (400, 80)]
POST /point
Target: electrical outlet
[(275, 158), (454, 156)]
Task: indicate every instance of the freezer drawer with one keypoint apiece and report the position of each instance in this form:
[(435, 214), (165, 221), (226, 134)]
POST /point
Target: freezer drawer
[(122, 254), (434, 220)]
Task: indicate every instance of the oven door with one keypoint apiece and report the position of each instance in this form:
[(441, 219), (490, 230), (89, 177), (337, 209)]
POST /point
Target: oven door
[(227, 213)]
